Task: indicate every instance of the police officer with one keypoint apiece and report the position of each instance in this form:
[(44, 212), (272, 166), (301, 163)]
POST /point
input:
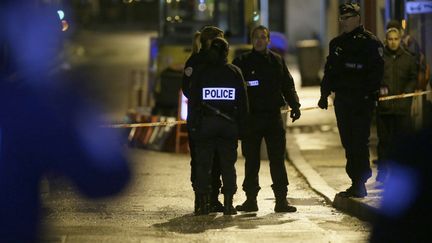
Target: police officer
[(219, 106), (202, 41), (354, 70), (269, 86)]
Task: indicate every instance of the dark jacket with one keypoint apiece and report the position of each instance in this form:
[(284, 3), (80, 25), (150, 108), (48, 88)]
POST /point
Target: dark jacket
[(354, 65), (269, 83), (400, 76), (209, 75), (191, 65)]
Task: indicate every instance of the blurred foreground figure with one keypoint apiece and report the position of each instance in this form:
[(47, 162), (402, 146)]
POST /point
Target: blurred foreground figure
[(44, 126), (405, 207)]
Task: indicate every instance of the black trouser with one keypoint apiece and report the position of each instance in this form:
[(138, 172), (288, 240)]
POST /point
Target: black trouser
[(271, 128), (389, 128), (216, 136), (216, 170), (354, 117)]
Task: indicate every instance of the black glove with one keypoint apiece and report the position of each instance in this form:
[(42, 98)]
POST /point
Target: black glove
[(295, 114), (323, 103)]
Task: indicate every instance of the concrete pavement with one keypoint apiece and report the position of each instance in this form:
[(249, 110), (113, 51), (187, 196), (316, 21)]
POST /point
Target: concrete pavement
[(315, 150)]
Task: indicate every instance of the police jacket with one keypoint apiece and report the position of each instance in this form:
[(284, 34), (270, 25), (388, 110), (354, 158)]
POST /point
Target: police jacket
[(269, 83), (400, 76), (191, 64), (354, 66), (217, 89)]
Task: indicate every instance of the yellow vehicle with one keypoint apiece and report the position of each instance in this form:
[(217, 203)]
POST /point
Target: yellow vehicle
[(179, 20)]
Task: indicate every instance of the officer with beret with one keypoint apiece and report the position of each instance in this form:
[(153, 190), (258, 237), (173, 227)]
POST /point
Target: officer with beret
[(218, 108), (353, 71), (270, 86)]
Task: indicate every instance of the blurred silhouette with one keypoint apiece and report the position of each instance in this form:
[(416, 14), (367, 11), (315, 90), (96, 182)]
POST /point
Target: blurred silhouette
[(45, 125), (405, 205), (279, 43)]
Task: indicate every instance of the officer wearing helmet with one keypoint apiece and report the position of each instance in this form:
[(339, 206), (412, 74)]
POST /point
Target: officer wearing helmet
[(201, 44), (218, 108), (353, 71)]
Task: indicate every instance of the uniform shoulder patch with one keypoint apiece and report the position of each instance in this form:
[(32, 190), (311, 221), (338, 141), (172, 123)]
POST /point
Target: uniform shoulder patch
[(381, 51), (188, 71)]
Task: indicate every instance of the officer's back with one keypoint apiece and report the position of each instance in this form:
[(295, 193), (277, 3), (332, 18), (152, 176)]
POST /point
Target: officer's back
[(218, 86)]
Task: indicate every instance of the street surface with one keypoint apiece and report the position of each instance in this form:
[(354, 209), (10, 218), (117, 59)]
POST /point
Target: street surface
[(158, 206)]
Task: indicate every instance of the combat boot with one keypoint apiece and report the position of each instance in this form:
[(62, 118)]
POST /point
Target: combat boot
[(228, 205), (282, 205), (203, 204), (215, 205), (250, 205), (355, 190)]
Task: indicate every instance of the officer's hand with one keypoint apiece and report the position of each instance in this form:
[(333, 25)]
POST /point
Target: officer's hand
[(323, 103), (295, 114)]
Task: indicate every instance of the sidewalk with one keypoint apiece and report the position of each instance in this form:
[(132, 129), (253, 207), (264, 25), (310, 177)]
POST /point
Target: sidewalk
[(315, 150)]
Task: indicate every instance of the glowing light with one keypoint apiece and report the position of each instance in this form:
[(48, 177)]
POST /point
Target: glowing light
[(202, 7), (61, 14), (256, 18)]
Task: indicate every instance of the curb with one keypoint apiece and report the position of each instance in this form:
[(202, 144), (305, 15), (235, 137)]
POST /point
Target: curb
[(357, 207), (315, 181)]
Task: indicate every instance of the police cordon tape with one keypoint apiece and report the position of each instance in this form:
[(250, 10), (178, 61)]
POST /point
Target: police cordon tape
[(180, 122)]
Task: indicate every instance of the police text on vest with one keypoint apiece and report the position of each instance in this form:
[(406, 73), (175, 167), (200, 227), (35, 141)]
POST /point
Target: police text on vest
[(218, 93)]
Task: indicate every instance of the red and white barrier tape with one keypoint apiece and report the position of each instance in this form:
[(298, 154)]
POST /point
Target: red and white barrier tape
[(180, 122)]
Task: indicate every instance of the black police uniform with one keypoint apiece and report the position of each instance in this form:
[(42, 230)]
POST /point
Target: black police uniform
[(218, 107), (269, 86), (354, 71), (193, 63)]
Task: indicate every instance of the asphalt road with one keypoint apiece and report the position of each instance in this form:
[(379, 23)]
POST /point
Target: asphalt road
[(158, 204)]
